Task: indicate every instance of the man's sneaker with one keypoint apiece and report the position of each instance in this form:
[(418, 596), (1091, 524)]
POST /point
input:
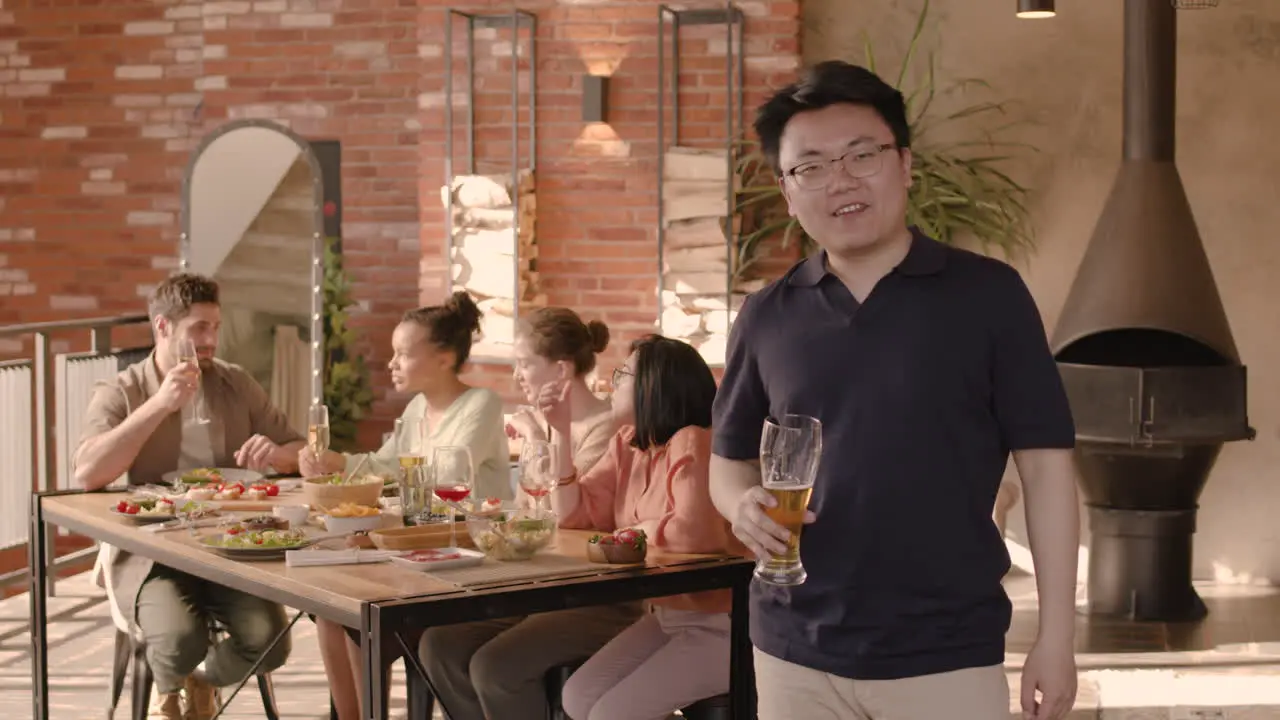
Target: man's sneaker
[(201, 699), (166, 706)]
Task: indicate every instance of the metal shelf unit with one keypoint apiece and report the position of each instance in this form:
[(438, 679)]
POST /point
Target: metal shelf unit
[(515, 20), (732, 17)]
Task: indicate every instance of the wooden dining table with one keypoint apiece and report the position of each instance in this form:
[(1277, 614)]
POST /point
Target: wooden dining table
[(382, 601)]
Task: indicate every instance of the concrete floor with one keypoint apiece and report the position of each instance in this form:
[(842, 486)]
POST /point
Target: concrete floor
[(1226, 668)]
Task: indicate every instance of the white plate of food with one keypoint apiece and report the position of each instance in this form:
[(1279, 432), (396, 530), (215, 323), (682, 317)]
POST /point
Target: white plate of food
[(145, 509), (238, 543), (211, 477), (432, 559)]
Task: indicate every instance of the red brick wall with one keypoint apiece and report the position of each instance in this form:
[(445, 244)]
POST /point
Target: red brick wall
[(100, 106)]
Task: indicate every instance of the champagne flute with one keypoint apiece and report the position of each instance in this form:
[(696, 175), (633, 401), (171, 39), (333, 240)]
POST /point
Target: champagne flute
[(318, 430), (537, 476), (187, 354), (411, 439), (453, 477)]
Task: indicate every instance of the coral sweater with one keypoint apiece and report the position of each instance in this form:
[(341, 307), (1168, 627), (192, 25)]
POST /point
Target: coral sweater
[(666, 486)]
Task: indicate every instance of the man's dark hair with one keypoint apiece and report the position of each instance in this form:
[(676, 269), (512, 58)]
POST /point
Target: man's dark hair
[(673, 387), (830, 83), (173, 298)]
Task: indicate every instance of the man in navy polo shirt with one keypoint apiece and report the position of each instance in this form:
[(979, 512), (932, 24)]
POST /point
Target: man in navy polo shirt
[(927, 366)]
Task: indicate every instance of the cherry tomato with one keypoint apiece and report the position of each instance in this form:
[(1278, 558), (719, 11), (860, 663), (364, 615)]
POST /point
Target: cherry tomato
[(122, 506), (273, 490), (131, 509)]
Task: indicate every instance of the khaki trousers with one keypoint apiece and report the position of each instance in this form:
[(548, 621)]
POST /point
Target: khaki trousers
[(791, 692)]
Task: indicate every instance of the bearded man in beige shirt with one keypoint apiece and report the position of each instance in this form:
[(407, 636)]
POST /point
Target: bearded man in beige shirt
[(141, 424)]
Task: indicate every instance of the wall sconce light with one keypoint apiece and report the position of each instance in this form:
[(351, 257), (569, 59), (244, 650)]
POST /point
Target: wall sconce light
[(1033, 9), (595, 98)]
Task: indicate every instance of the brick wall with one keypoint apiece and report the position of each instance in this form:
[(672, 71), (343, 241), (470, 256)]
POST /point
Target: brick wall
[(100, 106)]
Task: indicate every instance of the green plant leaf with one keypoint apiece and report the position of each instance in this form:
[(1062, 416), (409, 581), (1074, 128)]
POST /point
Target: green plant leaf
[(348, 392), (959, 189)]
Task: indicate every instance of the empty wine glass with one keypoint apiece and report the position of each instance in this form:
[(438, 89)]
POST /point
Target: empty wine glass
[(453, 477), (537, 471), (187, 354), (318, 430)]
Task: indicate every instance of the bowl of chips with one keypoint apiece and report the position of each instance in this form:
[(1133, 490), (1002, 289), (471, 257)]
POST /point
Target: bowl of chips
[(350, 517)]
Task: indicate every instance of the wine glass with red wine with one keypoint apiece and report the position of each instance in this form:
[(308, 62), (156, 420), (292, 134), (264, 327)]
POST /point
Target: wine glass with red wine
[(453, 476)]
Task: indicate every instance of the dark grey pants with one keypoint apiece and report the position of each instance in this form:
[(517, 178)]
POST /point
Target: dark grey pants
[(495, 668)]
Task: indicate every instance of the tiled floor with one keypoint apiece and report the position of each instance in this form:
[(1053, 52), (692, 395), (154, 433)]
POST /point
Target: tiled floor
[(1226, 668)]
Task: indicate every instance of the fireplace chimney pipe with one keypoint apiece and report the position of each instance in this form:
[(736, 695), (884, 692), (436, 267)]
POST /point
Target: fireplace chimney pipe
[(1150, 80)]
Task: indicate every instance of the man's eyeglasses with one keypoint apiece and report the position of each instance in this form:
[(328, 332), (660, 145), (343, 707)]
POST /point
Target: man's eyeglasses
[(859, 163), (619, 374)]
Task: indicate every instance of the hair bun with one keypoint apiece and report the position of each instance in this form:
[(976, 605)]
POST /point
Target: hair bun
[(599, 336), (464, 308)]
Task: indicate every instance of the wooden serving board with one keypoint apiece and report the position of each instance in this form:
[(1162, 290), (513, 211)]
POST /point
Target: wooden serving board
[(420, 537), (244, 505)]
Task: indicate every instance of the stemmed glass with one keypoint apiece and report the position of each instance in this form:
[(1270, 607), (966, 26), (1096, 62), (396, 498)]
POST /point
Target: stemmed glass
[(187, 354), (537, 476), (318, 430), (790, 452), (453, 477), (411, 448)]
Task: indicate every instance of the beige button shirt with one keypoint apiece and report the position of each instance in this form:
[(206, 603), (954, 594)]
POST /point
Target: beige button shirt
[(238, 409)]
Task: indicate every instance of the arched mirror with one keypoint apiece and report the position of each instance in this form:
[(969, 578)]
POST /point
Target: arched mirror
[(253, 219)]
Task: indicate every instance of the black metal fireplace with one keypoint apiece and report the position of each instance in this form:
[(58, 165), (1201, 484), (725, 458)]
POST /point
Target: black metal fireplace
[(1146, 353)]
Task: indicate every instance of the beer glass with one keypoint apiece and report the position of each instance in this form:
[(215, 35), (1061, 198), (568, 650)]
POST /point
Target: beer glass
[(790, 450), (411, 450)]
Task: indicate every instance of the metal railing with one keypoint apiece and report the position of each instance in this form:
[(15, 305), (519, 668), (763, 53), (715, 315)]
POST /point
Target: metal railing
[(44, 396)]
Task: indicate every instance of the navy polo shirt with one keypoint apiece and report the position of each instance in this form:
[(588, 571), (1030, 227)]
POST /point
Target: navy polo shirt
[(923, 390)]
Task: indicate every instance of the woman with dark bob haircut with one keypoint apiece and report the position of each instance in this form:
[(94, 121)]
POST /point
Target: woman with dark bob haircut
[(653, 479)]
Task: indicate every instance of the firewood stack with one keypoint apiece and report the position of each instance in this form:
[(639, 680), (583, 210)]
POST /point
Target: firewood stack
[(696, 307), (485, 239)]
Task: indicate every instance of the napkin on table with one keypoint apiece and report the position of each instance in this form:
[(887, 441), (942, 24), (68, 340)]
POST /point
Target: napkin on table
[(352, 556)]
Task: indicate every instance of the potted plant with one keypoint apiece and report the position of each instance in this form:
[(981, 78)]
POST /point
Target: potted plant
[(958, 187), (347, 389)]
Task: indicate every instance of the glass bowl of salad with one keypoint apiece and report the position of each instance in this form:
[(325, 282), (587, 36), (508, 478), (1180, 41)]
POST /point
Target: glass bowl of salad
[(517, 535)]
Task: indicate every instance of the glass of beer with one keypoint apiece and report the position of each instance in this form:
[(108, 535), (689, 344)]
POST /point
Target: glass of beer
[(790, 450), (411, 450)]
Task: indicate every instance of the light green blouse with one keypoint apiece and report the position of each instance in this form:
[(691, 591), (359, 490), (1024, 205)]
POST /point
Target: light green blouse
[(474, 420)]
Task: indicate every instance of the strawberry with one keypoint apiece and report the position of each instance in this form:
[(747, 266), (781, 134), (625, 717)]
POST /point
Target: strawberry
[(608, 540), (627, 536)]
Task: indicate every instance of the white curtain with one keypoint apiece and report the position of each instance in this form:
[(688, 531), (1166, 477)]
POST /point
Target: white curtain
[(291, 375)]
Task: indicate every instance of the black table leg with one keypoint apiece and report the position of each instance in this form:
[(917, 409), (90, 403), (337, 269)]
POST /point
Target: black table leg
[(253, 669), (742, 678), (39, 611)]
